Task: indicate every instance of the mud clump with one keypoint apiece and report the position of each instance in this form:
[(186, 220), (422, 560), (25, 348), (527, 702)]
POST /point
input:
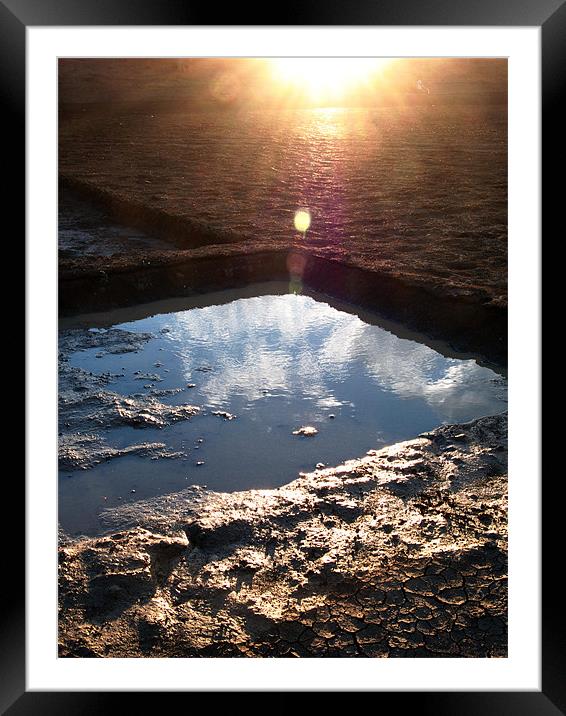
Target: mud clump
[(142, 413), (81, 452), (104, 409), (109, 340), (307, 431), (402, 553), (224, 414)]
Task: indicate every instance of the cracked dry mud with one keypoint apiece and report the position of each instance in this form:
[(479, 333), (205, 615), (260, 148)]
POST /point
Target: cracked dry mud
[(402, 553)]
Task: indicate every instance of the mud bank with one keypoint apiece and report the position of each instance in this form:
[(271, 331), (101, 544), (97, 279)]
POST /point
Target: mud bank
[(444, 306), (401, 553), (87, 405), (86, 402)]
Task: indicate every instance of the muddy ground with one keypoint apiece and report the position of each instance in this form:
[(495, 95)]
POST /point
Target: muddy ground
[(413, 222), (402, 553), (129, 266)]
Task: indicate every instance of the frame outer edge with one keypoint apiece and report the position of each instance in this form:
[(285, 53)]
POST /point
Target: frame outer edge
[(12, 84), (12, 99), (553, 64)]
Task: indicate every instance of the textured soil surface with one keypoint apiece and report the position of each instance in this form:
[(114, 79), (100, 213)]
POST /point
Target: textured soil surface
[(472, 270), (103, 265), (412, 195), (402, 553), (428, 208), (414, 192)]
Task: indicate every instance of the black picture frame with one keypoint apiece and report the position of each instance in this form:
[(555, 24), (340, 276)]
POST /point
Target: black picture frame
[(550, 16)]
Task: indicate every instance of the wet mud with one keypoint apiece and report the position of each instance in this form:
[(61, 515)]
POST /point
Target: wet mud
[(88, 406), (401, 553), (468, 316)]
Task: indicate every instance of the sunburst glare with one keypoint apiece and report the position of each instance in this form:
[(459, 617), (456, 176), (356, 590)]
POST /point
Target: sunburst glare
[(324, 78)]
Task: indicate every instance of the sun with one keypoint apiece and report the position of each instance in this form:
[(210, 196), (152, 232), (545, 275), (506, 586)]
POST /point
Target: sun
[(324, 77)]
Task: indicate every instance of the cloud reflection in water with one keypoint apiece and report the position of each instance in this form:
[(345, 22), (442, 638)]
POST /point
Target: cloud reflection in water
[(297, 346)]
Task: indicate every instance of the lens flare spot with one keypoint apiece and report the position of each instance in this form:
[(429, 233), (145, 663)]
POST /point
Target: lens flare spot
[(225, 87), (302, 220), (296, 264)]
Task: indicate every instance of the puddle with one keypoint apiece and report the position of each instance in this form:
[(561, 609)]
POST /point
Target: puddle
[(259, 370)]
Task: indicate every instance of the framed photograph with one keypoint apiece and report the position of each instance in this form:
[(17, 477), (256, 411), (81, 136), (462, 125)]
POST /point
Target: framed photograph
[(283, 353)]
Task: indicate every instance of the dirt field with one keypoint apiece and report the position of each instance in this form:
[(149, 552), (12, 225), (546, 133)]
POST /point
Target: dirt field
[(400, 553)]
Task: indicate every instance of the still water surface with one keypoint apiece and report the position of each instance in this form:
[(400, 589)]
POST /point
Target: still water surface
[(277, 363)]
